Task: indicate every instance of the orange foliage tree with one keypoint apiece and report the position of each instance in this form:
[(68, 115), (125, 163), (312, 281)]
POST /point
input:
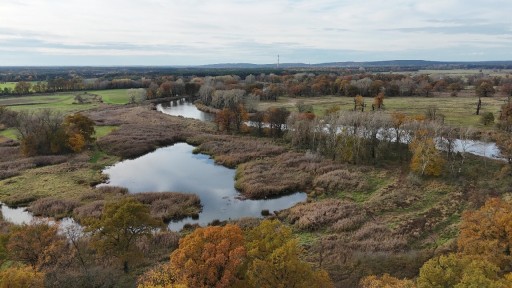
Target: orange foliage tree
[(487, 233), (79, 130), (37, 245), (210, 257)]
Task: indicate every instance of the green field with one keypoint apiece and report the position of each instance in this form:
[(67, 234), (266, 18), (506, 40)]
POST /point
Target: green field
[(8, 85), (113, 96), (457, 110), (63, 101)]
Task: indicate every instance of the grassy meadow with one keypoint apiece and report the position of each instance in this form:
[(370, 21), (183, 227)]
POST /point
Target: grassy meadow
[(458, 111), (64, 102)]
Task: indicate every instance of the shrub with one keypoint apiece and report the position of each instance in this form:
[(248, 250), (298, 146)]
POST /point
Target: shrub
[(51, 207), (487, 118)]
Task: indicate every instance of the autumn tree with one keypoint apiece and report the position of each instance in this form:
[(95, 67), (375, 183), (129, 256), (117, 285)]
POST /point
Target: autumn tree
[(79, 130), (359, 103), (276, 118), (385, 281), (426, 158), (487, 233), (505, 119), (37, 245), (22, 87), (455, 270), (378, 101), (485, 89), (21, 277), (162, 276), (455, 88), (210, 257), (41, 132), (121, 224), (273, 260)]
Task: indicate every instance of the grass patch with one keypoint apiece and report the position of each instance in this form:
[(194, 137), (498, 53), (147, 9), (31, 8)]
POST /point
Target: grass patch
[(113, 96), (61, 102), (9, 133), (67, 180), (102, 131)]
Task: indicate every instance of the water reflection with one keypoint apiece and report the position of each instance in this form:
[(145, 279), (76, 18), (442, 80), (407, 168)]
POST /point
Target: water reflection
[(17, 216), (176, 169), (184, 108)]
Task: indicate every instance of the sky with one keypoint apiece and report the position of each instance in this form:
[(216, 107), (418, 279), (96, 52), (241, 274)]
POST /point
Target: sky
[(195, 32)]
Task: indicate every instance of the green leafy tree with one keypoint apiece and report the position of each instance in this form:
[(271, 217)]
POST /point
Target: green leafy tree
[(120, 225)]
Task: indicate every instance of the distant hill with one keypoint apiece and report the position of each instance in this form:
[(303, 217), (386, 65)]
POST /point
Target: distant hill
[(352, 64)]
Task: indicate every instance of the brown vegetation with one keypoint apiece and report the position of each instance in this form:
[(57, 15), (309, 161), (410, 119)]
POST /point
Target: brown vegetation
[(170, 205)]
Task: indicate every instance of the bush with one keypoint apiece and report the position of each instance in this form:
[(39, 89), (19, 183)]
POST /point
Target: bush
[(51, 207), (487, 118)]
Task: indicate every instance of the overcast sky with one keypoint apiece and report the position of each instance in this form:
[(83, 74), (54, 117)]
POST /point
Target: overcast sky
[(189, 32)]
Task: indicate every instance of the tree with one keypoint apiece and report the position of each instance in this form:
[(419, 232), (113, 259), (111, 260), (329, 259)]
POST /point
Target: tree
[(37, 245), (136, 95), (426, 158), (378, 101), (79, 130), (162, 276), (458, 271), (210, 257), (359, 103), (455, 88), (487, 118), (485, 89), (273, 259), (22, 87), (121, 224), (487, 233), (506, 117), (41, 132), (277, 119), (385, 281), (21, 277)]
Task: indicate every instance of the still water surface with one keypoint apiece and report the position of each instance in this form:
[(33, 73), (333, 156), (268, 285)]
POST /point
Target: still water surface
[(177, 169)]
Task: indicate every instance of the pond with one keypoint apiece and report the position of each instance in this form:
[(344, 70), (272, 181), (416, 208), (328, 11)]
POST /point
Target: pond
[(20, 216), (177, 169), (184, 108)]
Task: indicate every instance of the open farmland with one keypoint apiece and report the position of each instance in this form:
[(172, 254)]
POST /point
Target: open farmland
[(458, 111)]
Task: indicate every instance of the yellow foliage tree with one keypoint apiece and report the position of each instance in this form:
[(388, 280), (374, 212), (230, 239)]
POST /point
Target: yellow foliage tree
[(385, 281), (21, 277), (426, 158), (161, 276), (459, 271), (273, 260)]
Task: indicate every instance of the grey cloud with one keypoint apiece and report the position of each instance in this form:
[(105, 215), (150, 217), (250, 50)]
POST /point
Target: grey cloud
[(485, 29)]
